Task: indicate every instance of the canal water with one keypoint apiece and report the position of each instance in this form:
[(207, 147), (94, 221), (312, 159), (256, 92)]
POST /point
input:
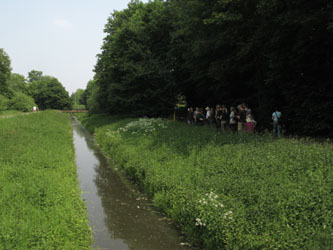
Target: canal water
[(120, 216)]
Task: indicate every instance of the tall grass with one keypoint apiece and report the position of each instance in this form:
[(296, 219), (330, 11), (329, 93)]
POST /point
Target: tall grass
[(228, 191), (40, 204)]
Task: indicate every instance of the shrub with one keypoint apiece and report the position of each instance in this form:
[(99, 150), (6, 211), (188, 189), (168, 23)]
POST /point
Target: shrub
[(3, 103), (21, 102)]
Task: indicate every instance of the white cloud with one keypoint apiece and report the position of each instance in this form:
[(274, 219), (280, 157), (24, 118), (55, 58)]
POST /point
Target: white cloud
[(62, 23)]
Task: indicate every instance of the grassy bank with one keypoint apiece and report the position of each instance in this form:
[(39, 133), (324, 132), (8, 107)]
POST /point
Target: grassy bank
[(40, 203), (227, 191), (5, 113)]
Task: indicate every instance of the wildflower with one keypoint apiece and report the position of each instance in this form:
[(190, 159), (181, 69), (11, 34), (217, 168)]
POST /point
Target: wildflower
[(228, 215)]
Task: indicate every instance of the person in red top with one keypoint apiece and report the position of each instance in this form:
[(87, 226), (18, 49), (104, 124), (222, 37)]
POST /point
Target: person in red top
[(250, 124)]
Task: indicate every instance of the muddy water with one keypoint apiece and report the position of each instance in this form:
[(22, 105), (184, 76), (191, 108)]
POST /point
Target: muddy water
[(121, 217)]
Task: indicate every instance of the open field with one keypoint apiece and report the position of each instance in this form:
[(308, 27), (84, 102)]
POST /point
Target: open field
[(227, 191), (40, 203)]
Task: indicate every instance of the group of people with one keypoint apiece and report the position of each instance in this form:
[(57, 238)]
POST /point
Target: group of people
[(238, 119)]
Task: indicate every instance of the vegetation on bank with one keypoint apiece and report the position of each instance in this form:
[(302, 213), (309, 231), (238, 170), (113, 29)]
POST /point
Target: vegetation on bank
[(40, 203), (227, 191)]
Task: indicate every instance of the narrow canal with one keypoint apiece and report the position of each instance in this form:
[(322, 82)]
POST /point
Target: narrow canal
[(121, 218)]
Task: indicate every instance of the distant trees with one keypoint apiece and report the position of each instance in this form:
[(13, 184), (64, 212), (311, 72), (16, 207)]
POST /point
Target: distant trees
[(18, 93), (90, 97), (263, 53), (76, 97), (5, 71), (48, 93)]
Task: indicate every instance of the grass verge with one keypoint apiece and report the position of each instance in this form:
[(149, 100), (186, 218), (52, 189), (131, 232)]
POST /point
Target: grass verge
[(227, 191), (40, 203)]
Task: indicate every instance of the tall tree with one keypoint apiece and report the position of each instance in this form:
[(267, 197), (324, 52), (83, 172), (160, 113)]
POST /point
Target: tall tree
[(133, 71), (5, 71)]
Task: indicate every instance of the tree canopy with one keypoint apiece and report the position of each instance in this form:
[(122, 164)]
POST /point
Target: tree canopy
[(18, 93), (48, 93), (133, 72), (5, 71), (266, 54)]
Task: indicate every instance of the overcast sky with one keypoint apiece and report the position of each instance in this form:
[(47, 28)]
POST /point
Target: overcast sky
[(58, 37)]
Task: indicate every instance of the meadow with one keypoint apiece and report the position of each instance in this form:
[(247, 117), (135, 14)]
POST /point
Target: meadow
[(40, 202), (224, 190)]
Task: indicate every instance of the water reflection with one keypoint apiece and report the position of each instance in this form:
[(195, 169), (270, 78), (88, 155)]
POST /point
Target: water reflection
[(120, 217)]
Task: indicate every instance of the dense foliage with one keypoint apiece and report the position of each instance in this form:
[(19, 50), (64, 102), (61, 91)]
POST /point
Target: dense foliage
[(90, 97), (77, 98), (22, 94), (50, 94), (227, 191), (133, 72), (221, 51), (5, 71), (40, 203), (21, 102)]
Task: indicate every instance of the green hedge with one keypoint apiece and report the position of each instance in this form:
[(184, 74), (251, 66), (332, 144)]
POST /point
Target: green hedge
[(40, 203), (228, 191)]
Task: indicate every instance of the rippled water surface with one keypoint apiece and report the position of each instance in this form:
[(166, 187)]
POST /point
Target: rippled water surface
[(121, 217)]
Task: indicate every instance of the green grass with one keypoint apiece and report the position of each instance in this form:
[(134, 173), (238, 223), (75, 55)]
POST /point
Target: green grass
[(9, 112), (40, 203), (228, 191)]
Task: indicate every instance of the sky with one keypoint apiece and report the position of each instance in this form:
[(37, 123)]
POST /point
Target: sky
[(61, 38)]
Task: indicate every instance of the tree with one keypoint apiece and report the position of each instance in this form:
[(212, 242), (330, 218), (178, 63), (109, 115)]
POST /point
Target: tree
[(35, 75), (17, 83), (5, 71), (76, 97), (133, 72), (48, 93), (90, 97)]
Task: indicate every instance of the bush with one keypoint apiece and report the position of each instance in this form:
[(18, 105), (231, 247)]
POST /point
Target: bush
[(3, 103), (21, 102)]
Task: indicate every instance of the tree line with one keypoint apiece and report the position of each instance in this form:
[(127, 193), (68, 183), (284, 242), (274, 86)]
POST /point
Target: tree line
[(19, 93), (264, 53)]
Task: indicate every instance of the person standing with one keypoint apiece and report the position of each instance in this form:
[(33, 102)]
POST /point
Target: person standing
[(208, 116), (233, 119), (218, 118), (190, 116), (224, 118), (276, 117), (241, 118), (250, 123)]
